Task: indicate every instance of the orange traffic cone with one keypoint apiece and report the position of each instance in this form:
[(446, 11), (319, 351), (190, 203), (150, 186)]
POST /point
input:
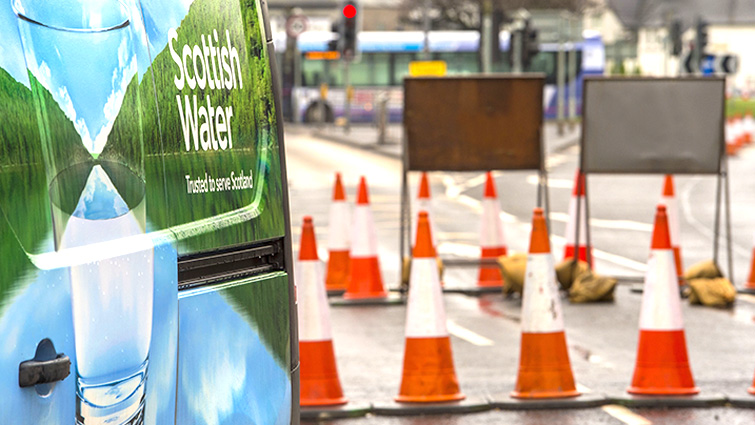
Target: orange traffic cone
[(577, 196), (365, 279), (731, 140), (337, 276), (428, 373), (319, 384), (662, 366), (749, 127), (751, 279), (491, 236), (424, 203), (544, 367), (672, 212)]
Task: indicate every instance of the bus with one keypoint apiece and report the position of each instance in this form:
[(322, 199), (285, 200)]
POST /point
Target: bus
[(383, 62), (146, 273)]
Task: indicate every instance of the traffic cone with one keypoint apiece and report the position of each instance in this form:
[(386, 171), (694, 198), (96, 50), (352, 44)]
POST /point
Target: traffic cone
[(672, 212), (365, 279), (662, 366), (428, 372), (751, 279), (739, 131), (337, 276), (731, 141), (319, 383), (424, 203), (491, 236), (578, 195), (749, 127), (544, 367)]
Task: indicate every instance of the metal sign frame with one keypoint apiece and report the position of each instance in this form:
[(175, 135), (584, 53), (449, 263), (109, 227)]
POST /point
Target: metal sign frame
[(722, 180), (485, 113)]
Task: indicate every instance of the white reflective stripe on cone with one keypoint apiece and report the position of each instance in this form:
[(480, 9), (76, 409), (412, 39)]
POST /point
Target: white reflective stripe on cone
[(541, 305), (661, 304), (672, 212), (363, 237), (570, 239), (491, 228), (422, 205), (314, 313), (425, 315), (339, 230), (728, 134)]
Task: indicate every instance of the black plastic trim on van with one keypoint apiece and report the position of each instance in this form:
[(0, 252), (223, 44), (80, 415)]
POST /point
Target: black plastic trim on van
[(230, 264)]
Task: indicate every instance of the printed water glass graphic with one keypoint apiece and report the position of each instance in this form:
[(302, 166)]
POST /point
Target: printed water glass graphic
[(81, 57)]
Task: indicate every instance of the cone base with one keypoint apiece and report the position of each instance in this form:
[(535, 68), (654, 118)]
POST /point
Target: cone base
[(581, 255), (545, 394), (429, 399), (751, 390), (544, 367), (490, 276), (324, 402), (663, 391), (318, 380), (337, 276), (365, 280), (662, 366), (428, 373)]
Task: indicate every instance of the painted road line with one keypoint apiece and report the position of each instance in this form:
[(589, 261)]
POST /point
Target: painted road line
[(747, 298), (619, 260), (467, 335), (607, 224), (704, 229), (625, 415), (552, 183)]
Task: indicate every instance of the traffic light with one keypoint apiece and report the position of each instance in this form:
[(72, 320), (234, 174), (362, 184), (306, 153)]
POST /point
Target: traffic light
[(333, 44), (530, 46), (675, 36), (350, 29), (701, 36)]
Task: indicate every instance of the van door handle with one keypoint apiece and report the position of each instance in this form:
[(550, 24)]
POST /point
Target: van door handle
[(46, 367)]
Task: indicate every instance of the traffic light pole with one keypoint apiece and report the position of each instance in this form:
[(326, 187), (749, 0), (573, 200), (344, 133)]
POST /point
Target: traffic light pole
[(348, 91), (572, 84), (517, 43)]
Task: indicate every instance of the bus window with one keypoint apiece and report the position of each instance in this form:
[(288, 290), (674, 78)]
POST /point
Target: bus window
[(401, 66), (372, 70), (459, 62)]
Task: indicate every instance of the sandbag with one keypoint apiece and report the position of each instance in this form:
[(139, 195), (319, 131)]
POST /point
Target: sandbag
[(513, 268), (568, 270), (406, 271), (703, 270), (717, 292), (590, 287)]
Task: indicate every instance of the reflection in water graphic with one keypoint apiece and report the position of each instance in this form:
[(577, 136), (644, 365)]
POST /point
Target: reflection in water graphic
[(112, 298), (81, 56)]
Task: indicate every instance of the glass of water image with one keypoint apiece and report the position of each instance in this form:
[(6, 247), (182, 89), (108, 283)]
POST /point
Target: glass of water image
[(81, 57)]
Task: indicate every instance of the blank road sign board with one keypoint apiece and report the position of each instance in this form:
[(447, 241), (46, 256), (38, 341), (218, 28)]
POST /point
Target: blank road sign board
[(473, 123), (653, 125)]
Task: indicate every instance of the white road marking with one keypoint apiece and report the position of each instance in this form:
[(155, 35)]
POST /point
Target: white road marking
[(552, 183), (476, 205), (467, 335), (607, 224), (625, 415), (747, 298), (706, 230)]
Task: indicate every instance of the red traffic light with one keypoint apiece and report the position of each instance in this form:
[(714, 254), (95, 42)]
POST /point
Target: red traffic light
[(349, 11)]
